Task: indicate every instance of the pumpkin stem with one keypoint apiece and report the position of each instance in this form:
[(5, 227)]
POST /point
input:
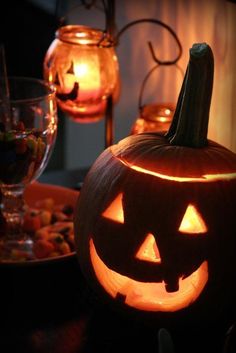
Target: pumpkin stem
[(190, 122)]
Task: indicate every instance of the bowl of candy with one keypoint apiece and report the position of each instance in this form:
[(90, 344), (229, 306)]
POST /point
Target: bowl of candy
[(48, 221), (51, 280)]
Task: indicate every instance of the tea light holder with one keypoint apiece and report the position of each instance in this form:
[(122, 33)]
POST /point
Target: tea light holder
[(82, 64), (154, 117)]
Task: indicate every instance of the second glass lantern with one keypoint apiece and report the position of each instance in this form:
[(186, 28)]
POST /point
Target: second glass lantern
[(153, 118), (158, 116), (82, 64)]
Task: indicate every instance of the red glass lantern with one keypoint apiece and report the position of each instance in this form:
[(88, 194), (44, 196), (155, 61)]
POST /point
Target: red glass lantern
[(82, 64), (154, 117)]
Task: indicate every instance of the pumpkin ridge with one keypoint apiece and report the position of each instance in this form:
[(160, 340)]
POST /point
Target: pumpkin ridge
[(156, 156)]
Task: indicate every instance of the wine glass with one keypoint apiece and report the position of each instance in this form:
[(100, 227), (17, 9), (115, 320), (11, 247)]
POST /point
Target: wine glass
[(28, 129)]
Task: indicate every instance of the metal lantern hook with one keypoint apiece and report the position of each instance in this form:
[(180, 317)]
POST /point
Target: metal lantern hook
[(154, 56), (140, 105), (159, 23)]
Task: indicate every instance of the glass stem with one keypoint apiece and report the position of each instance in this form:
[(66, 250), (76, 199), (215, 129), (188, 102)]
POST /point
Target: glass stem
[(13, 210)]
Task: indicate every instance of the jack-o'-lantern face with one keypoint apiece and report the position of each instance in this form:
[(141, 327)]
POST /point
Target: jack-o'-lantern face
[(153, 295), (157, 256), (151, 244), (150, 254)]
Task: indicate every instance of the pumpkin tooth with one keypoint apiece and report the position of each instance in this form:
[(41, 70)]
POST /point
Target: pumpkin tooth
[(172, 285), (120, 297)]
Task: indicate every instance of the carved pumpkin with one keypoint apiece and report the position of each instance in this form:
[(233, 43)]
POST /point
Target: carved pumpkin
[(155, 223)]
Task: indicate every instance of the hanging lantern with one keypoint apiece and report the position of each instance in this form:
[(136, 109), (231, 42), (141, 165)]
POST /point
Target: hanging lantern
[(82, 64), (157, 116), (153, 117)]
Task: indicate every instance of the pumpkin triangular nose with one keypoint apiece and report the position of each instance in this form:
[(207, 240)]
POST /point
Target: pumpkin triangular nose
[(149, 251)]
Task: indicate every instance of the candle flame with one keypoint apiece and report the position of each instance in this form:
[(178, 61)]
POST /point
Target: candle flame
[(81, 70)]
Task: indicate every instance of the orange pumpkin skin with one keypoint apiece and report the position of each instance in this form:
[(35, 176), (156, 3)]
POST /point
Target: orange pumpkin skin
[(156, 204), (169, 253)]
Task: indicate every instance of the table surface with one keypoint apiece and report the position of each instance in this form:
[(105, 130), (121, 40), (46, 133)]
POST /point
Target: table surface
[(51, 309)]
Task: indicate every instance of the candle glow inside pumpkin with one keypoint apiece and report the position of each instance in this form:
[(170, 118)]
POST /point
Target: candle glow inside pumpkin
[(152, 296)]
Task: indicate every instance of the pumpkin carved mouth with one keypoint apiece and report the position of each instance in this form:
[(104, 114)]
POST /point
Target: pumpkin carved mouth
[(149, 296)]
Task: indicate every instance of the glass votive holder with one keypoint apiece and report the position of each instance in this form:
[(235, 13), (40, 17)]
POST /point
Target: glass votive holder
[(82, 64), (154, 118)]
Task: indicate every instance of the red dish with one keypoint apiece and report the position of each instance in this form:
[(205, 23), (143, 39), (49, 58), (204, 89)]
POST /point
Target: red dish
[(36, 192)]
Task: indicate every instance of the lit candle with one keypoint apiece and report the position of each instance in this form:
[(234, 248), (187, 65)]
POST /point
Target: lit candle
[(153, 118)]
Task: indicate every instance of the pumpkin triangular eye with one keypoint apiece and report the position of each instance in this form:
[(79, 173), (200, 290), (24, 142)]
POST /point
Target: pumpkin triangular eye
[(148, 251), (71, 69), (192, 221), (115, 210)]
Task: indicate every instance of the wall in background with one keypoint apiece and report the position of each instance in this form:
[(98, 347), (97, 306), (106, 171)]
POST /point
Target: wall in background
[(211, 21)]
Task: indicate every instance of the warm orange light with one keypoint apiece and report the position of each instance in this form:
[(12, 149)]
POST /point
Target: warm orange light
[(163, 119), (204, 178), (149, 296), (82, 71), (192, 222), (52, 126), (87, 74), (149, 250), (83, 66), (153, 117), (167, 111), (114, 211)]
